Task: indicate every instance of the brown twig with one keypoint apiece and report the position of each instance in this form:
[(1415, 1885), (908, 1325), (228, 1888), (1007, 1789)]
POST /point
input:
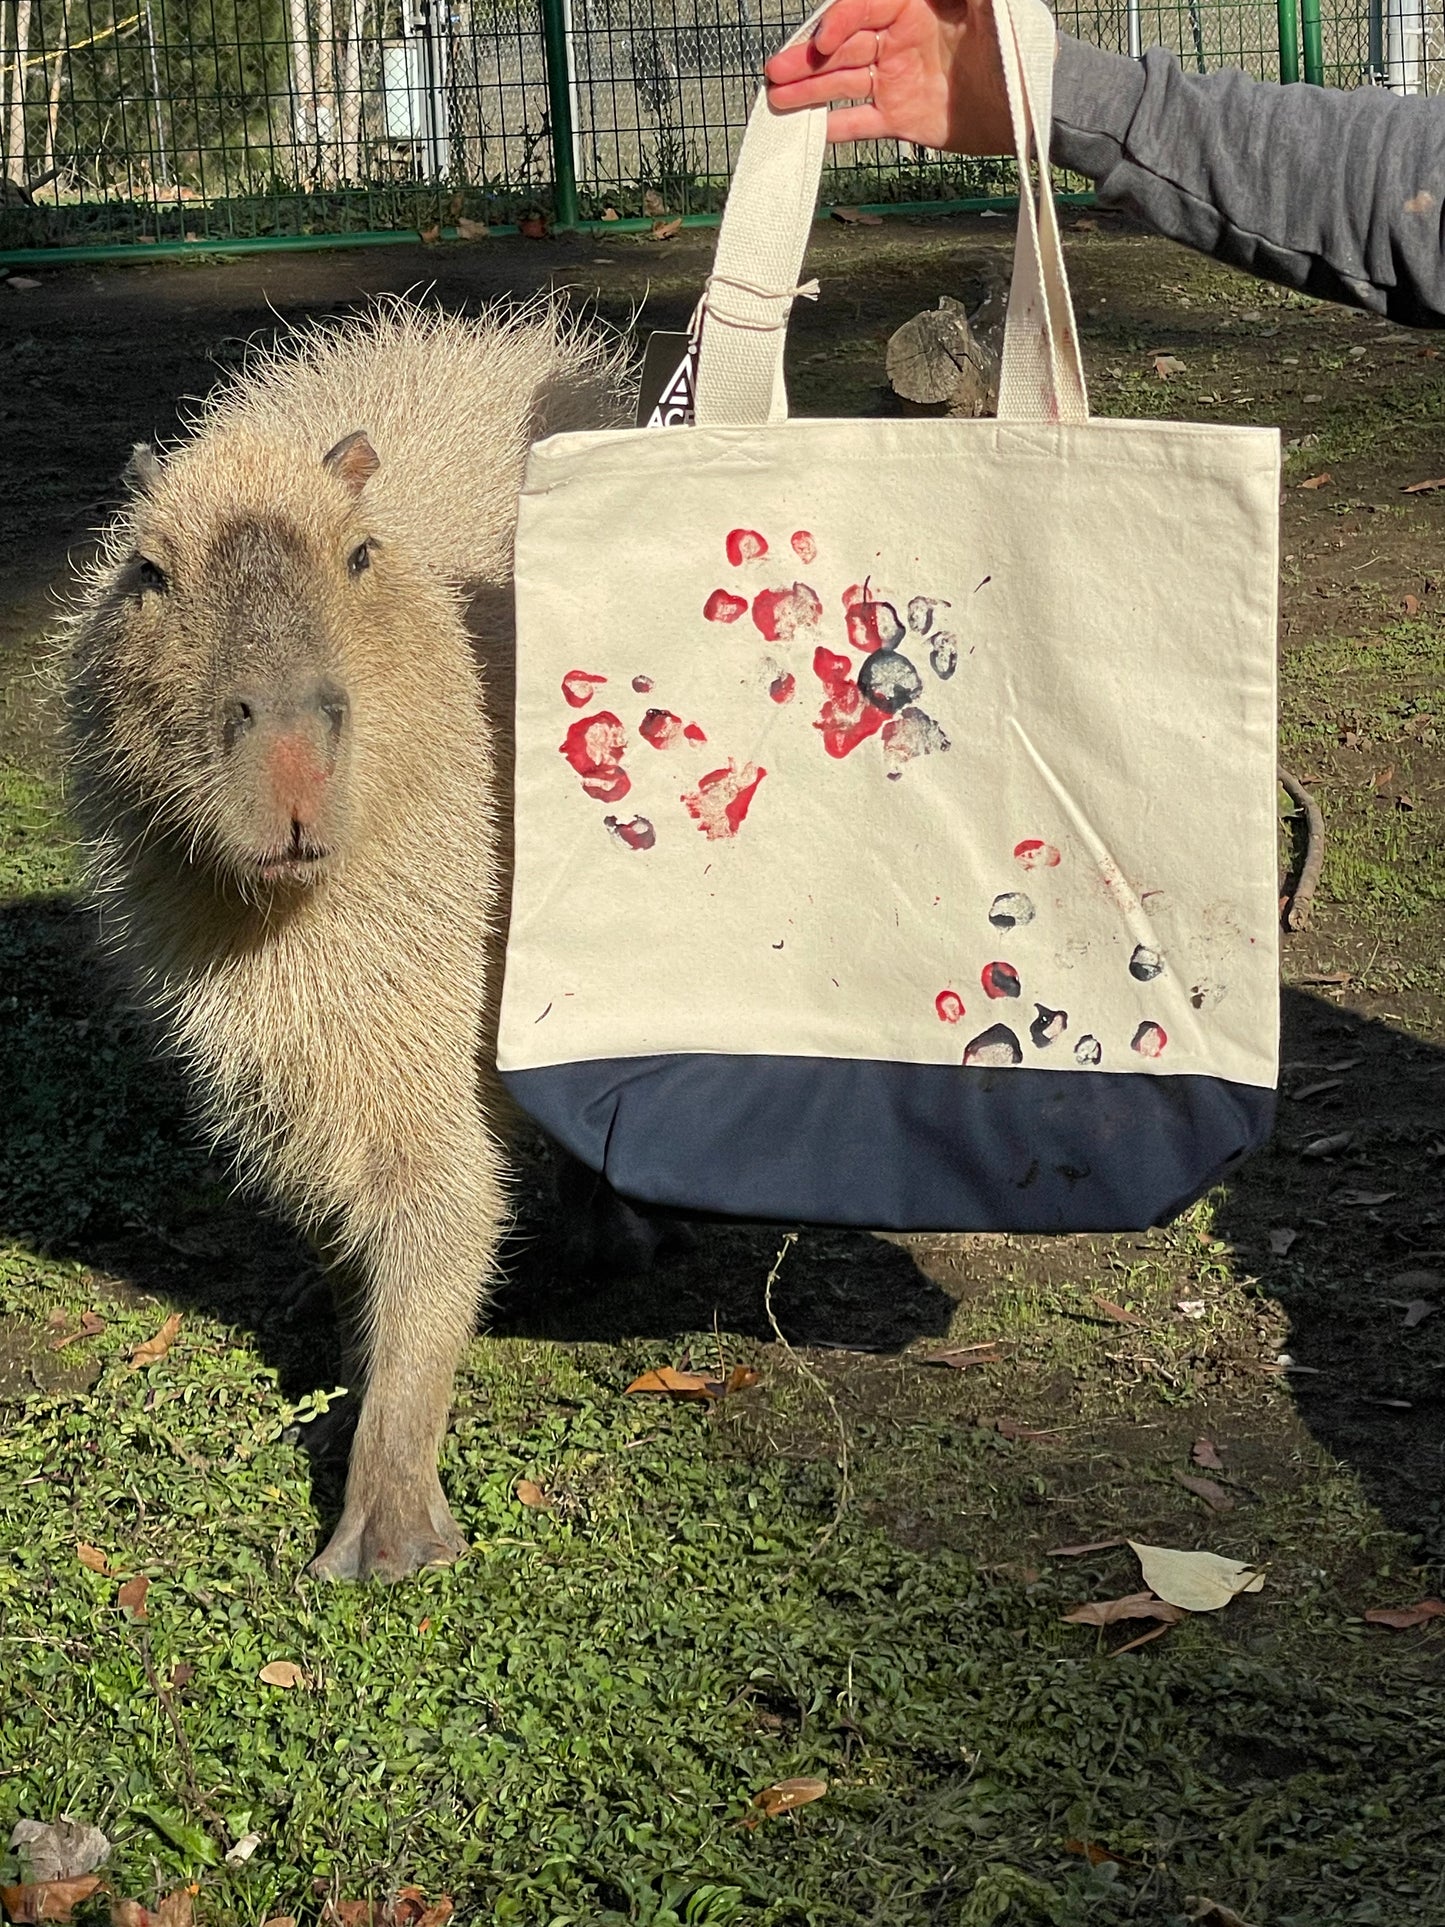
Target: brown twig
[(1297, 910), (200, 1804)]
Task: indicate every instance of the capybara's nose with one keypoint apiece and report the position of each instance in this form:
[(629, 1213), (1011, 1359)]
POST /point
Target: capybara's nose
[(316, 713)]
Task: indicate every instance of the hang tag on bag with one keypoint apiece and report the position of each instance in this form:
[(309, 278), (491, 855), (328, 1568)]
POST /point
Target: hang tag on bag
[(667, 392)]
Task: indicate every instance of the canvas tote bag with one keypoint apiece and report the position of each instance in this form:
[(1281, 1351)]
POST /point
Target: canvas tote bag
[(895, 800)]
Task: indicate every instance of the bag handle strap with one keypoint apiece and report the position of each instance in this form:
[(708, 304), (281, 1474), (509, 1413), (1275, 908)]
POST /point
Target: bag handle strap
[(765, 228)]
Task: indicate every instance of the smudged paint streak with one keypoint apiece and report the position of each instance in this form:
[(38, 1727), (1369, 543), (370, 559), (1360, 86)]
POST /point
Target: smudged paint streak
[(594, 746), (999, 980), (1149, 1040), (722, 607), (637, 834), (950, 1006), (780, 613), (909, 735), (1034, 854), (722, 799), (847, 718), (996, 1047), (660, 728), (745, 545), (578, 686)]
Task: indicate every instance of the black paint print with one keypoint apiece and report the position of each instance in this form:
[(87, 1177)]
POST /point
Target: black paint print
[(911, 734), (943, 656), (1011, 909), (920, 612), (1048, 1025), (889, 681), (1088, 1050), (995, 1047), (999, 980), (1149, 1040), (1146, 964)]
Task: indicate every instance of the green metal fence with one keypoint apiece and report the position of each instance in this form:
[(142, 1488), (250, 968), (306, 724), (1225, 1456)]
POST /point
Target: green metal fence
[(137, 123)]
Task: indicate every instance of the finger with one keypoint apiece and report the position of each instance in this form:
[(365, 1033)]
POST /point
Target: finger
[(849, 83), (848, 17), (863, 123)]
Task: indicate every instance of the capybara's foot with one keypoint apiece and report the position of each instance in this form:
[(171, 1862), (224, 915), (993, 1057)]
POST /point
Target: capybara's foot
[(390, 1535)]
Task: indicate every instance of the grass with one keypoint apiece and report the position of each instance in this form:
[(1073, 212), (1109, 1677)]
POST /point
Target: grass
[(845, 1572)]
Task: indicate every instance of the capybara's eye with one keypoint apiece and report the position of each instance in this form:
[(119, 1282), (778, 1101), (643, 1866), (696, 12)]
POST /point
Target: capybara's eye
[(359, 559), (151, 577)]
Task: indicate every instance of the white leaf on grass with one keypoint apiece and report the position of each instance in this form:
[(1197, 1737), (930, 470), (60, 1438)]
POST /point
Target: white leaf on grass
[(1200, 1582)]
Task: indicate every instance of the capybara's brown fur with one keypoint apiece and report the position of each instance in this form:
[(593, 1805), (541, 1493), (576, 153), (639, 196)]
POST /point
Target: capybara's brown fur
[(283, 765)]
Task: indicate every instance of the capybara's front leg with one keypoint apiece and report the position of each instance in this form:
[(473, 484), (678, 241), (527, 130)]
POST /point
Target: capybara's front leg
[(425, 1244)]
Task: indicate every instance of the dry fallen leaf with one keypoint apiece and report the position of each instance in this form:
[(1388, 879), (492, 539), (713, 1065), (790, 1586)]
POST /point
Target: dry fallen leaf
[(1212, 1913), (532, 227), (47, 1899), (1328, 1147), (1136, 1605), (1077, 1552), (1317, 481), (958, 1358), (1411, 605), (1009, 1428), (129, 1913), (1204, 1452), (430, 235), (1416, 1312), (1166, 366), (132, 1596), (1423, 488), (782, 1797), (1091, 1851), (472, 230), (91, 1326), (1281, 1238), (92, 1558), (1200, 1582), (280, 1920), (1403, 1618), (175, 1910), (857, 217), (1214, 1496), (155, 1349), (58, 1849), (668, 1382), (610, 214), (664, 230), (1116, 1314), (529, 1493), (281, 1672), (1317, 1090), (1363, 1197)]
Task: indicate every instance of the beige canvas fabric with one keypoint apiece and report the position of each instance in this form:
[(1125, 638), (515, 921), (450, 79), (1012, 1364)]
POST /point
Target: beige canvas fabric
[(1063, 822)]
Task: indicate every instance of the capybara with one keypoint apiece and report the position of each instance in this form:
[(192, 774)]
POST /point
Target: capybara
[(284, 768)]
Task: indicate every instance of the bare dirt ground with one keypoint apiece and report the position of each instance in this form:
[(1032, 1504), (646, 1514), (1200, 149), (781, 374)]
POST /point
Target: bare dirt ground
[(1274, 1321)]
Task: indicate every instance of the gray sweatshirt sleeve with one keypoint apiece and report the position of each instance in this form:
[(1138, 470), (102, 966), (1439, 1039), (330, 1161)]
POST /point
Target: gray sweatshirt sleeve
[(1338, 194)]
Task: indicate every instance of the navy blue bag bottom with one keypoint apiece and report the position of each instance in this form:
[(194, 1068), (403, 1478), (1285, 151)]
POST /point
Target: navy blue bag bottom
[(898, 1147)]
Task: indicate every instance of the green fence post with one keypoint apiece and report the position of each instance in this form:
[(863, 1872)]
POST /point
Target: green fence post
[(1289, 40), (1314, 42), (559, 111)]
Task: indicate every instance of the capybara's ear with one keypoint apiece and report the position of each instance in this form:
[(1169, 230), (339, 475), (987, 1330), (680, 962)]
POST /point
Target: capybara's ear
[(353, 460), (142, 469)]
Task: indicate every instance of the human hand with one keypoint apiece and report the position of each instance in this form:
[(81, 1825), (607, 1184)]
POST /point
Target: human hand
[(926, 71)]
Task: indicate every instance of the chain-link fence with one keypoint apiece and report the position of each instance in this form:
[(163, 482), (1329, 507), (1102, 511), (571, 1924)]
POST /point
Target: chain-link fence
[(170, 121)]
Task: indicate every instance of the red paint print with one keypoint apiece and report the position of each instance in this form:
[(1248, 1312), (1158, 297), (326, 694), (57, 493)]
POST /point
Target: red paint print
[(949, 1006), (637, 834), (660, 728), (874, 625), (783, 688), (695, 733), (578, 686), (722, 607), (722, 798), (1149, 1040), (745, 545), (642, 684), (855, 593), (999, 980), (1034, 854), (780, 613), (847, 718), (594, 746), (804, 547)]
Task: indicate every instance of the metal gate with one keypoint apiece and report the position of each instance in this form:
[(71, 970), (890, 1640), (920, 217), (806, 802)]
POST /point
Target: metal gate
[(157, 123)]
